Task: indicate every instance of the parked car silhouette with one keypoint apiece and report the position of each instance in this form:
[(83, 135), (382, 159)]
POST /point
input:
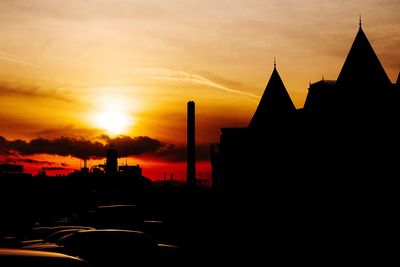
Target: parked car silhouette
[(9, 242), (110, 247), (21, 257), (41, 234), (37, 233), (126, 217), (56, 236), (158, 231)]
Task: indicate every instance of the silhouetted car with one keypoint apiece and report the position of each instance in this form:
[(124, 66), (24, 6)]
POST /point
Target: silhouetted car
[(54, 229), (126, 217), (129, 217), (55, 237), (109, 247), (45, 233), (9, 242), (157, 230), (53, 247), (22, 257), (37, 233)]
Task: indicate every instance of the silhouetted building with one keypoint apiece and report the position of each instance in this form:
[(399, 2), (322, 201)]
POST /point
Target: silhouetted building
[(191, 145), (11, 168), (320, 94), (214, 159), (340, 143), (135, 171), (362, 83), (274, 102)]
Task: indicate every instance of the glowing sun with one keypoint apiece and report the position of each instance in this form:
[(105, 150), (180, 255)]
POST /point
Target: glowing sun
[(113, 112), (114, 122)]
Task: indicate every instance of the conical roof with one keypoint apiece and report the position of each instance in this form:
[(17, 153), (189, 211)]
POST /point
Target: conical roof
[(274, 102), (362, 68)]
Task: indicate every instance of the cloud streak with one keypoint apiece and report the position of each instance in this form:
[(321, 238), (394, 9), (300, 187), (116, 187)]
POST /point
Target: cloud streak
[(172, 153), (29, 161), (182, 76), (10, 59), (7, 89), (67, 130)]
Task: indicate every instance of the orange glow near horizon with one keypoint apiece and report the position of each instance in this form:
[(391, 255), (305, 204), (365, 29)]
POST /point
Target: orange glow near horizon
[(93, 68), (153, 169)]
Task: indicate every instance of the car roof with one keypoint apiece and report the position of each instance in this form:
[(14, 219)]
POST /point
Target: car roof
[(104, 234), (11, 252), (116, 206), (23, 257)]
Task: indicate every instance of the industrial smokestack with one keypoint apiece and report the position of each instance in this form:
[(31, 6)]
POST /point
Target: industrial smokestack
[(85, 169), (191, 145), (112, 162)]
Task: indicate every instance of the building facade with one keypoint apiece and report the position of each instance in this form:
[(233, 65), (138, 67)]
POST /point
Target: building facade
[(343, 143)]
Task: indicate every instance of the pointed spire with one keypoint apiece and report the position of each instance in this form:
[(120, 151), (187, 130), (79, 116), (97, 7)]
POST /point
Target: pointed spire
[(360, 21), (362, 68), (275, 102), (274, 62)]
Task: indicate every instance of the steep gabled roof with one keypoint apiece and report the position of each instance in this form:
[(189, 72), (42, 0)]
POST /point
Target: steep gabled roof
[(362, 68), (274, 102)]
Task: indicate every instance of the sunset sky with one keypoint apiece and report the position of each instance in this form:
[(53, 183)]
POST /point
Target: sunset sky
[(75, 71)]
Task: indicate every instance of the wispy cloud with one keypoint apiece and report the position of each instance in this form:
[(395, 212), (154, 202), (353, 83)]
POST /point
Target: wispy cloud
[(67, 130), (28, 160), (14, 60), (30, 91), (183, 76), (173, 153)]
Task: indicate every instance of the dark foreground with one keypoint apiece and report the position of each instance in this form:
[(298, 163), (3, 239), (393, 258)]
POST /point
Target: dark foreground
[(200, 227)]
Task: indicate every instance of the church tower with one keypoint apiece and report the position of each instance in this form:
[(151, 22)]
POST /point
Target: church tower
[(362, 82), (275, 102)]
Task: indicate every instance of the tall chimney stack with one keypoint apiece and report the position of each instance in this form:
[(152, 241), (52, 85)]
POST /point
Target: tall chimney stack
[(112, 162), (85, 168), (191, 145)]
